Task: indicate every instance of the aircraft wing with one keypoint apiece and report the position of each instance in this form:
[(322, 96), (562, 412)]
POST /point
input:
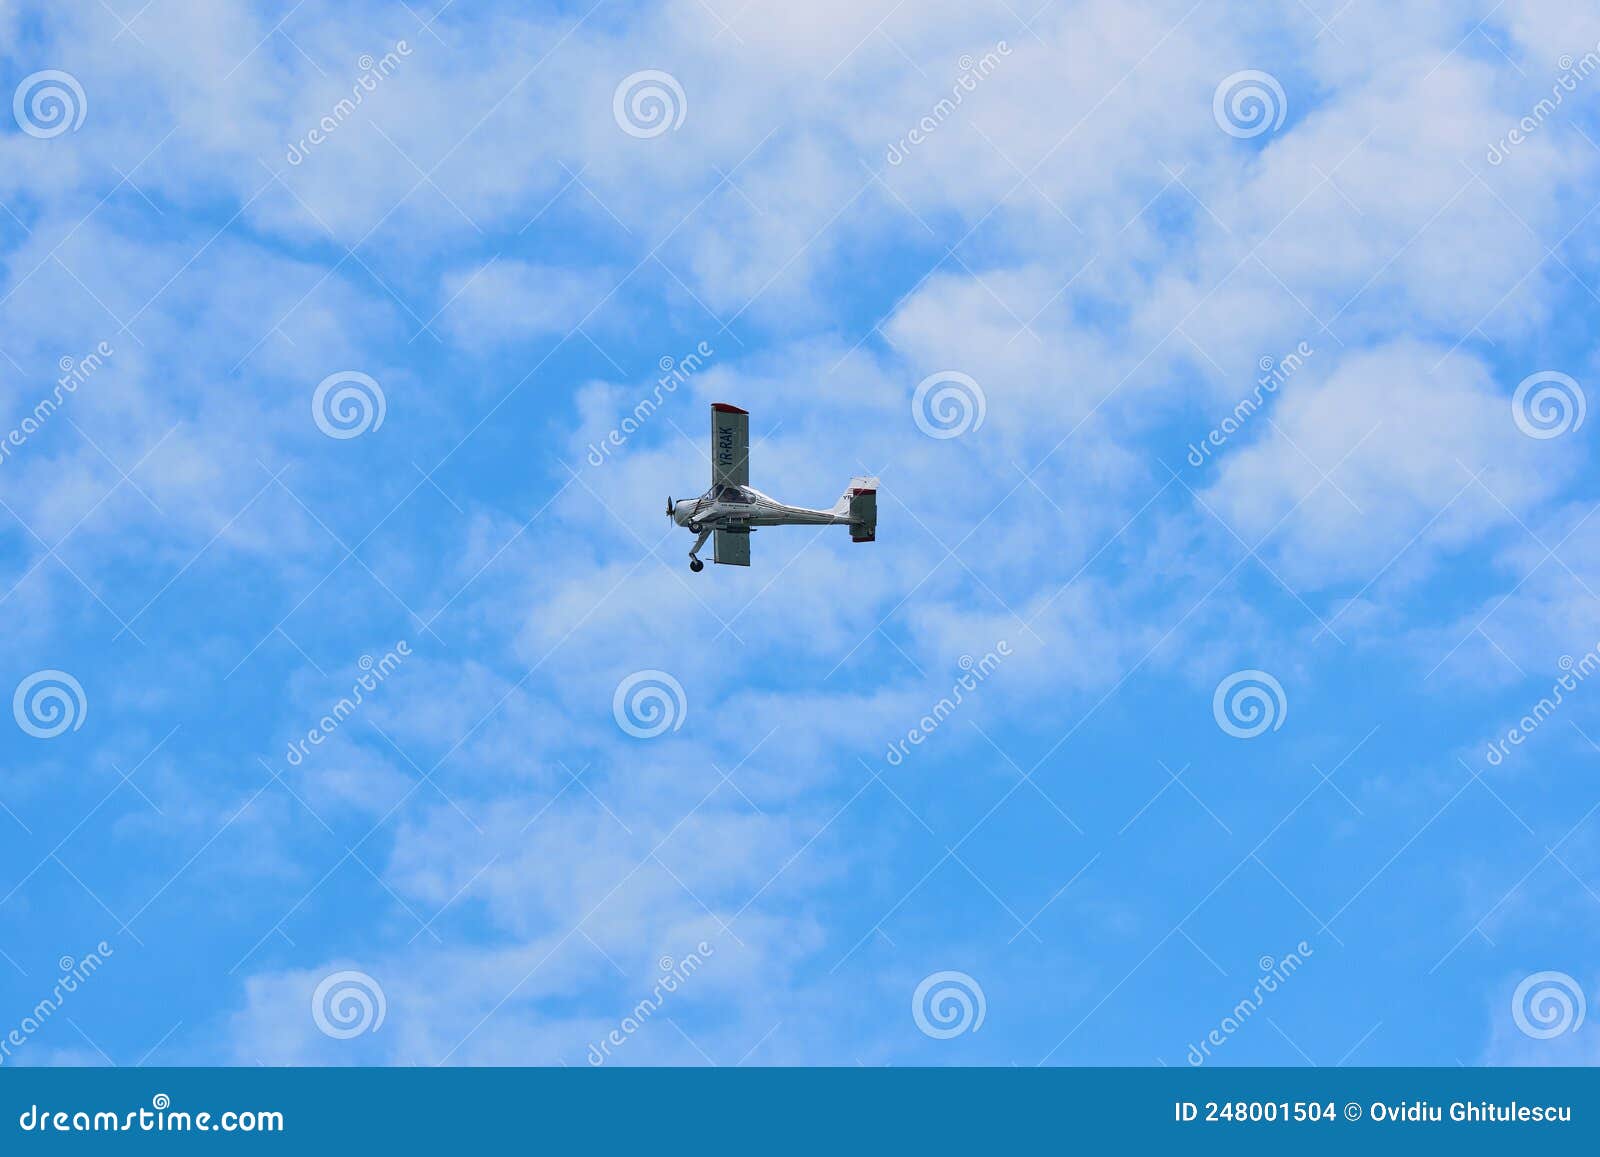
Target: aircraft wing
[(733, 547), (730, 451)]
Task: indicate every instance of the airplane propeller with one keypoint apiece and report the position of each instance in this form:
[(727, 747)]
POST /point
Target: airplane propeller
[(669, 506)]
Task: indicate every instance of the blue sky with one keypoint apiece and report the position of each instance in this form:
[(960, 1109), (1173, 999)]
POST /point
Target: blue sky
[(1058, 211)]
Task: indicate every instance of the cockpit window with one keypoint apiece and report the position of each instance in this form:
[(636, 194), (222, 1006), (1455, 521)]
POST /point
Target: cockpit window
[(726, 493)]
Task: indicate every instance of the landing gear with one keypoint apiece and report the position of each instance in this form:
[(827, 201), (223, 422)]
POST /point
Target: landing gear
[(694, 527), (694, 561)]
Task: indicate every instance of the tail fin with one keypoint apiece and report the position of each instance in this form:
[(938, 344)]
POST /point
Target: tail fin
[(862, 503)]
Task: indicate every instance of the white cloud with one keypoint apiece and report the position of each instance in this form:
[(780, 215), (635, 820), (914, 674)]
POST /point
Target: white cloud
[(507, 300), (1399, 443)]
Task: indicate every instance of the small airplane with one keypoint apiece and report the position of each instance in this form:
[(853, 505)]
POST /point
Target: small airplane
[(732, 508)]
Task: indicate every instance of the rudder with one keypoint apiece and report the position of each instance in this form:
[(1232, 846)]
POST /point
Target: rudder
[(863, 494)]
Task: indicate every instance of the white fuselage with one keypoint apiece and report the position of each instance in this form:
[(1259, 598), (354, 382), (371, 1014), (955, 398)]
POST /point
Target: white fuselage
[(724, 506)]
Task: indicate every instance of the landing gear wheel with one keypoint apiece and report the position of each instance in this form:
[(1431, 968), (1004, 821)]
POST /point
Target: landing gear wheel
[(694, 527), (696, 565)]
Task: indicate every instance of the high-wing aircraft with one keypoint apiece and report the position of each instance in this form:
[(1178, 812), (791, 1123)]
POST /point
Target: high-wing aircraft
[(732, 508)]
